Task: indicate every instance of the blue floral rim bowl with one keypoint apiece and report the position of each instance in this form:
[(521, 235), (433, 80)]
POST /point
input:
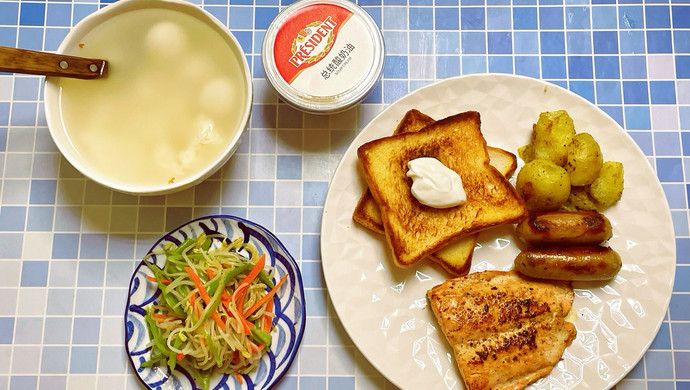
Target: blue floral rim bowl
[(289, 308)]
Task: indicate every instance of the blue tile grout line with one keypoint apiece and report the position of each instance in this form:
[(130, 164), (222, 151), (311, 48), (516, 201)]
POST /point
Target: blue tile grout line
[(60, 320)]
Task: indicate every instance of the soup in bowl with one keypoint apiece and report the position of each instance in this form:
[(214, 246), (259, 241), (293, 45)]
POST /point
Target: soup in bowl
[(172, 107)]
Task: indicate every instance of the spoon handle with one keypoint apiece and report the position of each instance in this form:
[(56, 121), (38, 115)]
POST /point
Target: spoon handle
[(49, 64)]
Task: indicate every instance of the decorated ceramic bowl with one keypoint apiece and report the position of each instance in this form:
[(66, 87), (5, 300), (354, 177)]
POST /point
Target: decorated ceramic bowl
[(289, 321)]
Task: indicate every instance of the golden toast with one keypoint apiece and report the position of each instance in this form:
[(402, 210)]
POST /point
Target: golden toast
[(413, 230), (503, 160), (456, 257)]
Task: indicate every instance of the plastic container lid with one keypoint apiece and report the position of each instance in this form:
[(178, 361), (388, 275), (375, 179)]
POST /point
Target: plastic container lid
[(323, 56)]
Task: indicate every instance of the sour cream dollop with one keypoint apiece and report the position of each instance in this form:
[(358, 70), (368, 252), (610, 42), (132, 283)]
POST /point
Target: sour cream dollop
[(434, 184)]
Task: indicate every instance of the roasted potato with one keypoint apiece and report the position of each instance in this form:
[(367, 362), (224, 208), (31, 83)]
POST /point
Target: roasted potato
[(543, 185), (584, 159), (580, 199), (608, 187), (550, 138), (589, 186), (526, 152)]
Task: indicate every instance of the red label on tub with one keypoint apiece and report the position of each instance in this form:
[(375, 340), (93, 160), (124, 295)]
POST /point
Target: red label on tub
[(306, 37)]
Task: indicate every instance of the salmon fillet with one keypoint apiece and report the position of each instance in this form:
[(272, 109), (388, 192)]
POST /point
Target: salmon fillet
[(506, 331)]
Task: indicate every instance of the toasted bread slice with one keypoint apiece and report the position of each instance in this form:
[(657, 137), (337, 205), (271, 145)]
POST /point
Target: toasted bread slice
[(456, 257), (414, 230), (367, 211), (503, 160)]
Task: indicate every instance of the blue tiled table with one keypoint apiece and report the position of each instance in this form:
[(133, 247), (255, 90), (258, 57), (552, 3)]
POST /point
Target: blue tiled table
[(68, 245)]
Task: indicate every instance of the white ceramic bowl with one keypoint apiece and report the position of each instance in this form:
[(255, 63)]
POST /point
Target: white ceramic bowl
[(70, 45)]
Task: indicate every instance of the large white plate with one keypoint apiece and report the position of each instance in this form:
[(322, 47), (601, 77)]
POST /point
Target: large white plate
[(383, 307)]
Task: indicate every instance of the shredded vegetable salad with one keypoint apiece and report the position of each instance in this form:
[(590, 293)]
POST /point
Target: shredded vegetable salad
[(215, 310)]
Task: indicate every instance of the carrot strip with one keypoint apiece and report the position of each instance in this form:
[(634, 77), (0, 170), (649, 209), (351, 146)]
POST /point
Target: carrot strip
[(211, 273), (159, 317), (225, 297), (264, 298), (226, 305), (199, 284), (246, 325), (266, 320), (219, 321), (151, 278), (255, 270), (192, 303), (237, 294), (254, 349), (239, 378), (239, 304), (238, 299), (204, 295), (251, 276), (180, 356)]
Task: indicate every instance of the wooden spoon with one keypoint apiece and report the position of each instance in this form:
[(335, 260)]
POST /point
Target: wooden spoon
[(49, 64)]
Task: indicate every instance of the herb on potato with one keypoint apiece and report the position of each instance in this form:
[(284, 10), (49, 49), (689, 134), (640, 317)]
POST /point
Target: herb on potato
[(543, 185), (608, 187), (550, 138), (584, 160), (591, 183)]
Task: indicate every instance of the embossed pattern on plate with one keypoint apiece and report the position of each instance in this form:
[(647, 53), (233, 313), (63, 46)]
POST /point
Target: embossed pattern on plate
[(383, 307), (288, 306)]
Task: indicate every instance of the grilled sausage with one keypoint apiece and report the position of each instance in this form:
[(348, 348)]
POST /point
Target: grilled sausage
[(569, 262), (564, 228)]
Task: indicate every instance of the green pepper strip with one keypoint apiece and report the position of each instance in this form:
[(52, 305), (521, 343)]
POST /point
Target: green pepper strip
[(213, 284), (155, 358), (261, 336), (157, 273), (206, 245), (177, 257), (205, 380), (263, 276), (172, 359), (183, 246), (214, 350), (157, 338), (169, 299), (184, 290), (174, 258), (212, 306), (172, 302), (196, 256), (174, 263)]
